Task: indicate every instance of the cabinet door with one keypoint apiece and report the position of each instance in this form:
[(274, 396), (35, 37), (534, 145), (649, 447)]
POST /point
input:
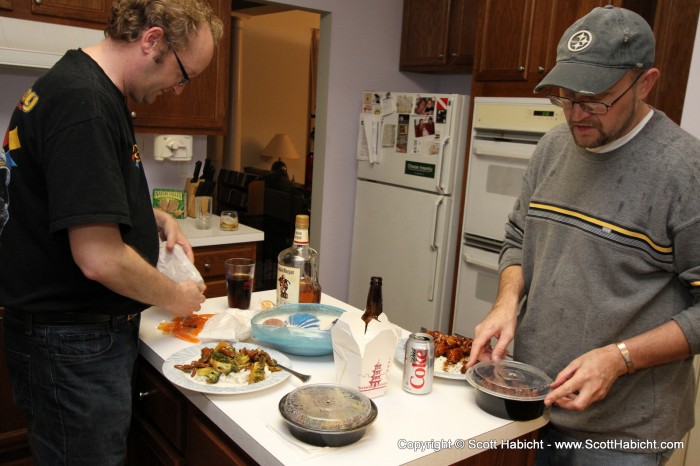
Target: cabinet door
[(425, 32), (503, 40), (207, 445), (562, 14), (462, 40), (148, 447), (5, 4), (674, 23), (88, 10), (156, 400), (201, 108)]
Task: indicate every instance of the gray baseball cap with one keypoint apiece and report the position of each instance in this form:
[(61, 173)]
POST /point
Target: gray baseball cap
[(598, 49)]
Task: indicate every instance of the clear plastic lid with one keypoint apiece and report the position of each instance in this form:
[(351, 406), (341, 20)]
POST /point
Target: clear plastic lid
[(326, 407), (510, 379)]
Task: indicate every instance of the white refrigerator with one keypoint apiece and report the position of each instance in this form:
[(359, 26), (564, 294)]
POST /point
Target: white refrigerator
[(411, 151)]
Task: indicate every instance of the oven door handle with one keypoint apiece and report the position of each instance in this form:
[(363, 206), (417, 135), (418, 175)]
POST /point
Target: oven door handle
[(503, 149), (488, 265)]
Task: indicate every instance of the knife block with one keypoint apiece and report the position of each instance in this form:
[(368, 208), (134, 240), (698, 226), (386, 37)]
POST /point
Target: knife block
[(190, 190)]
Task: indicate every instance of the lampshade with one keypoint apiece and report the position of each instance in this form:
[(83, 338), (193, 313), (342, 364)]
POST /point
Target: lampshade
[(280, 147)]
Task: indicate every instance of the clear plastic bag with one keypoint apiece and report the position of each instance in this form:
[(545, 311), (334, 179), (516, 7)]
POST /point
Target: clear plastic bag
[(176, 265)]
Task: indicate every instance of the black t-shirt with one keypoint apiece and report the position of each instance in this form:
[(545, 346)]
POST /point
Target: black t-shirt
[(77, 163)]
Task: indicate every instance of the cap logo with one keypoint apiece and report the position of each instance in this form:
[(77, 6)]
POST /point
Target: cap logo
[(579, 41)]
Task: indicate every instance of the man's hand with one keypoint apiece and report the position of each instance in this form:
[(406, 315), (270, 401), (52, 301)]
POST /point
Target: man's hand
[(587, 379)]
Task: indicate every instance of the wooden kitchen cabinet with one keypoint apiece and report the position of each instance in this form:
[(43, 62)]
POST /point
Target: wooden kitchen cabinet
[(82, 13), (209, 260), (168, 430), (438, 36), (517, 40), (208, 445), (96, 11)]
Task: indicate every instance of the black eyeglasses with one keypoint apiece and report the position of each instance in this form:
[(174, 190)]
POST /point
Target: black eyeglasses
[(185, 78), (599, 108)]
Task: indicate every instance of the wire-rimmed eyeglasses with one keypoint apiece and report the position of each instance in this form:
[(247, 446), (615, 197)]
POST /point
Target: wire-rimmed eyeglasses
[(598, 108)]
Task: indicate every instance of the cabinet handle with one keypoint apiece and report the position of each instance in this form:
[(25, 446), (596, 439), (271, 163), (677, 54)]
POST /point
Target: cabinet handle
[(540, 69), (133, 114), (454, 54), (38, 2), (142, 395), (521, 69), (441, 55), (206, 267)]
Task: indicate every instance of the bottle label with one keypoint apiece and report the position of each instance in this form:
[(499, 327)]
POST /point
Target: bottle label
[(301, 236), (288, 279)]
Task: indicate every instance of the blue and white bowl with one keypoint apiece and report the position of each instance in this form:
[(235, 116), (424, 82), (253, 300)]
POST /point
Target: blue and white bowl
[(300, 329)]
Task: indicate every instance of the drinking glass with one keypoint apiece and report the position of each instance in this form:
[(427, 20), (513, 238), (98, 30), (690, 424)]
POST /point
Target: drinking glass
[(240, 276), (203, 212)]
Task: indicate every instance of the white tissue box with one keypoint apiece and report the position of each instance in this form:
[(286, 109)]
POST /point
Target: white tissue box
[(362, 360)]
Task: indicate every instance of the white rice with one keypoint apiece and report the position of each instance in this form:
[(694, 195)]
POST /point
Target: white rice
[(451, 368), (234, 379)]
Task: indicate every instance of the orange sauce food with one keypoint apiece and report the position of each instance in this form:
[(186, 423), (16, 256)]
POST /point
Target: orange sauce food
[(186, 328)]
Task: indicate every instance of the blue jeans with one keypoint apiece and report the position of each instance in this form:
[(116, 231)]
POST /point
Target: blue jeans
[(74, 383), (550, 455)]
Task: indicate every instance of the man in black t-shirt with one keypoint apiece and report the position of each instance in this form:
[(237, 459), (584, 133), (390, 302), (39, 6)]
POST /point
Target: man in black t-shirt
[(79, 248)]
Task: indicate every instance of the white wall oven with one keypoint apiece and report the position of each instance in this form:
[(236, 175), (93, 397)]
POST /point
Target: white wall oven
[(505, 132)]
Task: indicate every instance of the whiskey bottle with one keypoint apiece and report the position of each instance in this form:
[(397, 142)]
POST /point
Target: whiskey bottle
[(297, 268)]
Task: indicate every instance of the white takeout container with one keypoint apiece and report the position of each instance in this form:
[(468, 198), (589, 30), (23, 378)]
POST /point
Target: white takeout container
[(362, 360)]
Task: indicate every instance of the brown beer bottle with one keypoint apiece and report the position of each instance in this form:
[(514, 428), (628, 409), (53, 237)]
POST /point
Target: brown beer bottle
[(374, 301)]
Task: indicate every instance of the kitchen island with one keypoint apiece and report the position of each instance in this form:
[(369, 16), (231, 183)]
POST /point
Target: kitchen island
[(443, 427)]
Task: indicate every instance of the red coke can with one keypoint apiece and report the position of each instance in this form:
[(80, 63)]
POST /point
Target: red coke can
[(419, 363)]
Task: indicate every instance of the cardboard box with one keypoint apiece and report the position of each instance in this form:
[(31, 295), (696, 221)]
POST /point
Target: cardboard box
[(171, 201), (362, 360)]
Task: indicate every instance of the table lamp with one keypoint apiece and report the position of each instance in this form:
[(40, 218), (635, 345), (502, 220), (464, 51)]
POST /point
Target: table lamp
[(280, 147)]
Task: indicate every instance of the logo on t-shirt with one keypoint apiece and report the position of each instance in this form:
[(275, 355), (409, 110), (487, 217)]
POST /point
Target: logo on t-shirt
[(135, 156), (28, 101)]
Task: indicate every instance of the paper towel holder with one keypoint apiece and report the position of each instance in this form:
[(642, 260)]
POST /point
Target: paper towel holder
[(176, 147)]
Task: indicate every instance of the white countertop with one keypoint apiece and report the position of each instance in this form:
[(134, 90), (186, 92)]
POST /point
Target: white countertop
[(213, 236), (446, 416)]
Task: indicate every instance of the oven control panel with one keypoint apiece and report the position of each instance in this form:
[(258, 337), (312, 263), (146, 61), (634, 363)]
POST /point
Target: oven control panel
[(516, 114)]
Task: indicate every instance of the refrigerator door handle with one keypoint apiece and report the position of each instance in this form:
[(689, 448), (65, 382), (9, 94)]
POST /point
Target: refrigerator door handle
[(434, 246), (438, 176)]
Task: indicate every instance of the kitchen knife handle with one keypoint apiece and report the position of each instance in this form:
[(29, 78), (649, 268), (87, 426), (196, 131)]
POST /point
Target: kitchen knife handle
[(197, 168)]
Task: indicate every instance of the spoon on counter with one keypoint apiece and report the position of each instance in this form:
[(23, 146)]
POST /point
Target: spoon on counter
[(303, 377)]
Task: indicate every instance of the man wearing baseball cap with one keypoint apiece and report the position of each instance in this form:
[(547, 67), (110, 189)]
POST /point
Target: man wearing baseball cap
[(600, 268)]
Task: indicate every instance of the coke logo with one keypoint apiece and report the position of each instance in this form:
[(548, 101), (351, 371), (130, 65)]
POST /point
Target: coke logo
[(418, 360)]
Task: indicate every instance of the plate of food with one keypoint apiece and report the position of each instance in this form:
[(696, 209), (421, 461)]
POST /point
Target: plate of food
[(451, 354), (226, 368)]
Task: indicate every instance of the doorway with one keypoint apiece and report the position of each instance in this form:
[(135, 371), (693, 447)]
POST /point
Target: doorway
[(274, 63)]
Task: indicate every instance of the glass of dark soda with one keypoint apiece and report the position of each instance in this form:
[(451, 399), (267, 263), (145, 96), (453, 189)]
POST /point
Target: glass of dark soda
[(240, 276)]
